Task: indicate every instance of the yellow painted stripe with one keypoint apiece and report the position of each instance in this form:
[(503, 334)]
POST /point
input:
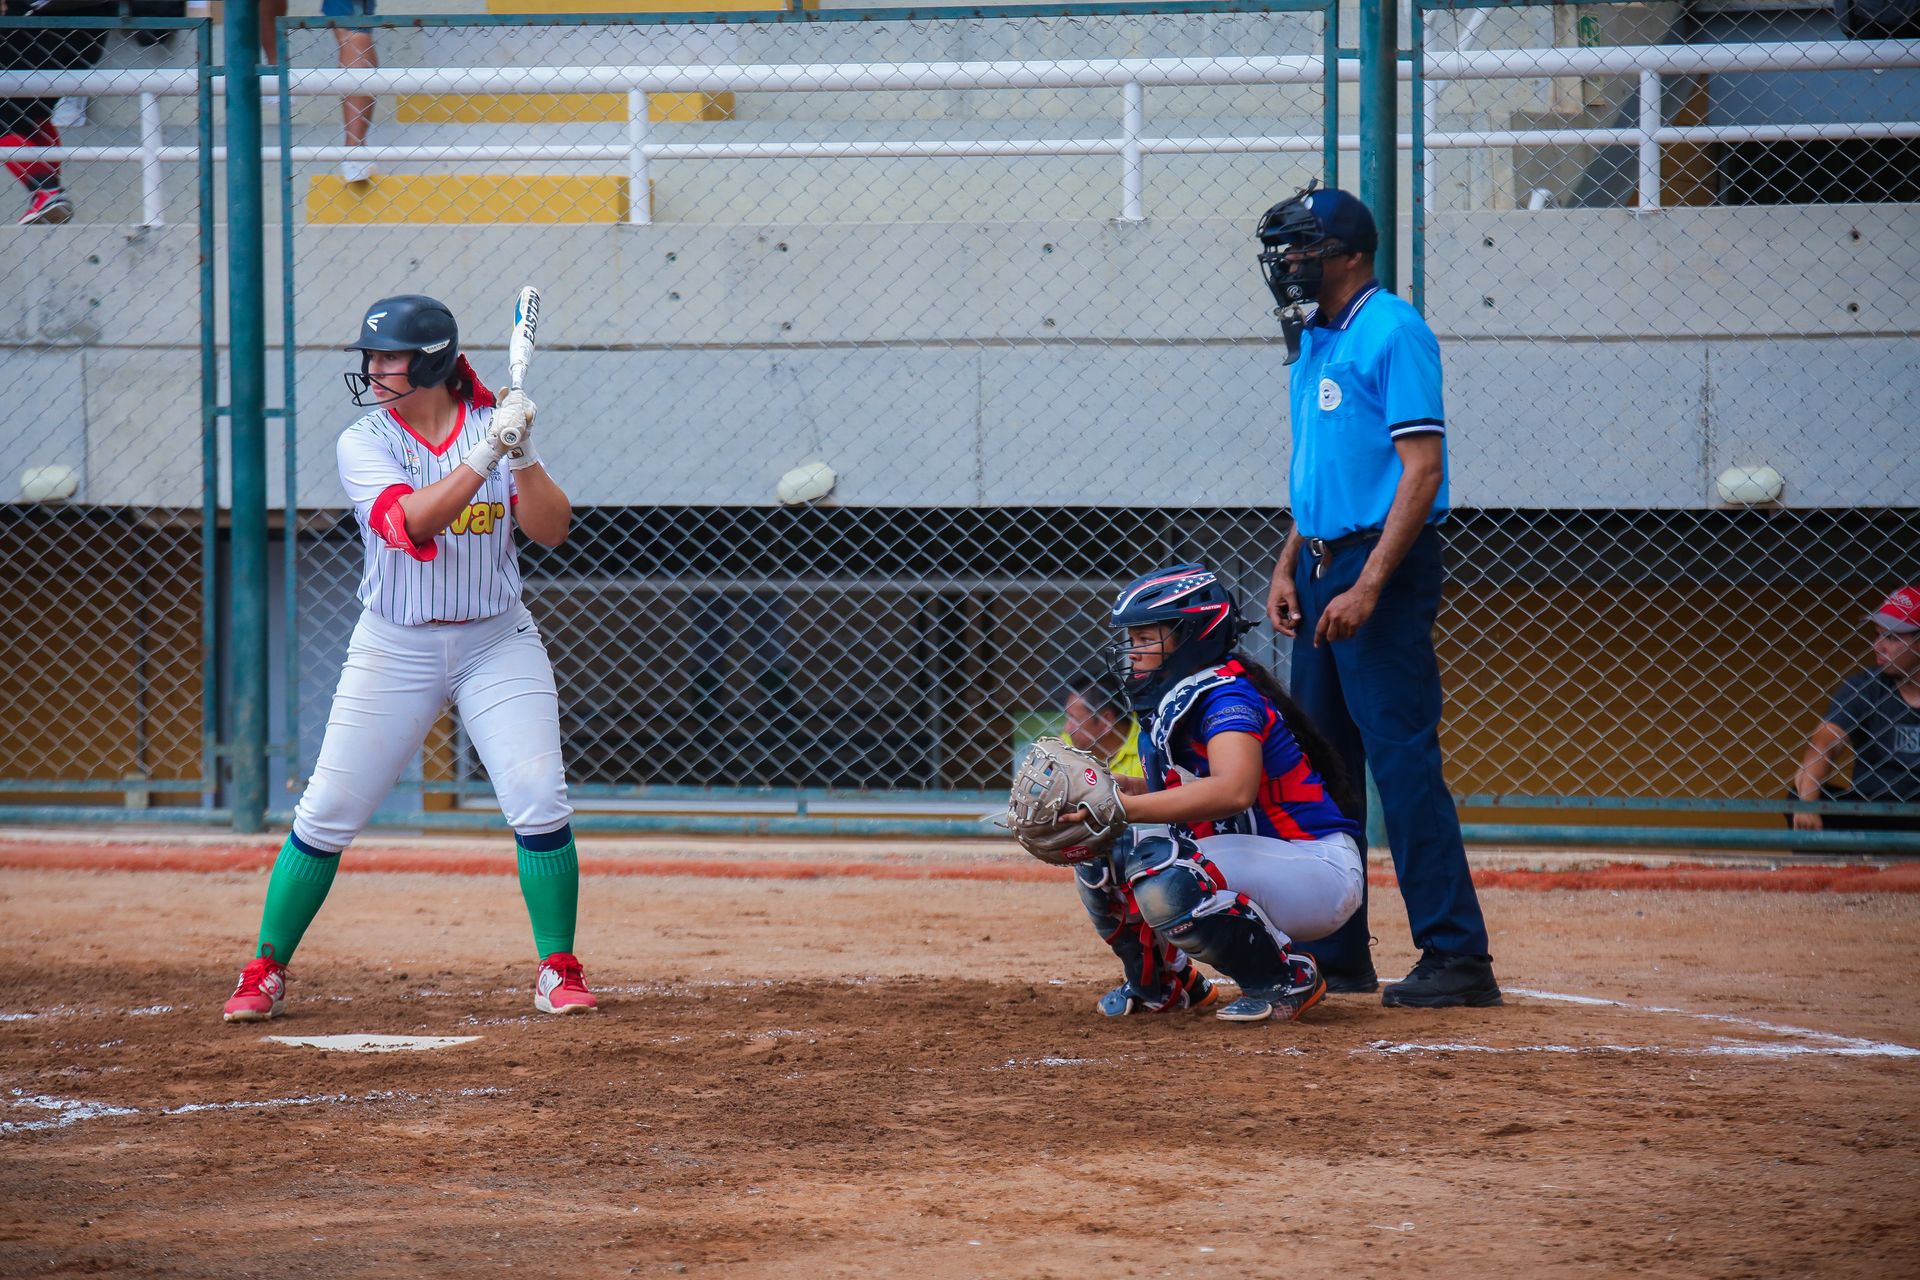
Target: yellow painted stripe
[(555, 108), (689, 106), (467, 199), (510, 108)]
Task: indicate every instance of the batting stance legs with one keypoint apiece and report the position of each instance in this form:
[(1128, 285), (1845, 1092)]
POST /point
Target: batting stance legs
[(396, 682)]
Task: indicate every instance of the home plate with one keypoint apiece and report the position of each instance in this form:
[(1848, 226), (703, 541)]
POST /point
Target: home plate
[(373, 1044)]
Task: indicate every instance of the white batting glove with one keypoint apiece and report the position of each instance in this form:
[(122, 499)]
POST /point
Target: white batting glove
[(512, 430), (483, 457), (512, 420)]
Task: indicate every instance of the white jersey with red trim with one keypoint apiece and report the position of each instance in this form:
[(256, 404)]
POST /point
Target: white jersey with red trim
[(471, 570)]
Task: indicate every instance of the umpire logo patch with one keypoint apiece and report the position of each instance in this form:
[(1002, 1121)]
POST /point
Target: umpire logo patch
[(1329, 395)]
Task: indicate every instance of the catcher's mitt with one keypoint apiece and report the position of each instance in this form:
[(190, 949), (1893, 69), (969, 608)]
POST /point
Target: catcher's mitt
[(1056, 778)]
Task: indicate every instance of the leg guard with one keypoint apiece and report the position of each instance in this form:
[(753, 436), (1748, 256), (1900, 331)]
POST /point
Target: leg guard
[(1158, 975), (1183, 898)]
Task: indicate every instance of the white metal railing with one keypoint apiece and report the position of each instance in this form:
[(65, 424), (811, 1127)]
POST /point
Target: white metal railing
[(1132, 76)]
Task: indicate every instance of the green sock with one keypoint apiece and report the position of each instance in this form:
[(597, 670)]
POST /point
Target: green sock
[(294, 894), (550, 883)]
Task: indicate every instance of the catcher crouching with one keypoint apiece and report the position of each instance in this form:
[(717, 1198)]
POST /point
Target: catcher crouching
[(1237, 843)]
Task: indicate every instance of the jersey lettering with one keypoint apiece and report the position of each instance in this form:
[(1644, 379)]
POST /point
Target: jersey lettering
[(471, 569), (479, 517)]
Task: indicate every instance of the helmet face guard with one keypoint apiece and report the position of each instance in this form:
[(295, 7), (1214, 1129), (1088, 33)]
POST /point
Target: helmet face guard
[(1293, 251), (413, 323), (1204, 623)]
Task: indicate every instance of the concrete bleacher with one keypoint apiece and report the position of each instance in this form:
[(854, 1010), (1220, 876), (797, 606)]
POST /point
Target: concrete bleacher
[(454, 192)]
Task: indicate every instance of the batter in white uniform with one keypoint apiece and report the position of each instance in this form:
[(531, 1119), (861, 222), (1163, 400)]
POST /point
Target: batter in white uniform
[(437, 496)]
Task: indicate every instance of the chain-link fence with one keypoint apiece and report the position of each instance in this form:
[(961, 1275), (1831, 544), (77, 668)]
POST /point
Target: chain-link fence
[(106, 515), (995, 273), (1670, 253)]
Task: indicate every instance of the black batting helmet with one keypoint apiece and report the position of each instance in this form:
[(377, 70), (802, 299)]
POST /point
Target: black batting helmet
[(409, 322), (1206, 622)]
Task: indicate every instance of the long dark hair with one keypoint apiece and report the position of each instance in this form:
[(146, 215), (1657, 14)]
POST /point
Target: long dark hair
[(1319, 752)]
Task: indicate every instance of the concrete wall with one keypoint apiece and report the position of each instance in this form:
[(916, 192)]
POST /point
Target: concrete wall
[(1594, 358)]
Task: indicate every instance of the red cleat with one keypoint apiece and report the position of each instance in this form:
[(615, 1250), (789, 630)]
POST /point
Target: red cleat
[(561, 986), (47, 206), (263, 985)]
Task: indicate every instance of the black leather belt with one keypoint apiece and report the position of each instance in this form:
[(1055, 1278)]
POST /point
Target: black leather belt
[(1323, 551)]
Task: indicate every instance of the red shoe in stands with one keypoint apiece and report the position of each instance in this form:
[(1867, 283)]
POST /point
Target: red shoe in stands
[(47, 206)]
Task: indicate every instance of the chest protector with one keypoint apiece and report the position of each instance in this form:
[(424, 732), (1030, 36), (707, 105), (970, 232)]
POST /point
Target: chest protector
[(1156, 744)]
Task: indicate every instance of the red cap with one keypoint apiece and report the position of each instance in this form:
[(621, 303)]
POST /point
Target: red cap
[(1901, 612)]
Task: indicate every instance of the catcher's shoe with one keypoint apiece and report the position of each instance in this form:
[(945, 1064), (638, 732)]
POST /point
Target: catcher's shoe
[(263, 985), (1201, 993), (1303, 989), (561, 986), (1443, 979)]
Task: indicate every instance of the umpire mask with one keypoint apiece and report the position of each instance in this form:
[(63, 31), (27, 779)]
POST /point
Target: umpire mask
[(1297, 236)]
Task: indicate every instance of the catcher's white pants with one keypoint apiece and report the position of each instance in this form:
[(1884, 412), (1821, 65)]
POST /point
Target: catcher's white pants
[(396, 682), (1305, 888)]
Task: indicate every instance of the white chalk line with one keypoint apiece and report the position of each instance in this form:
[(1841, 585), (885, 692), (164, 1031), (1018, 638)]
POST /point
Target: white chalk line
[(1728, 1049), (1812, 1043), (1877, 1048), (66, 1111)]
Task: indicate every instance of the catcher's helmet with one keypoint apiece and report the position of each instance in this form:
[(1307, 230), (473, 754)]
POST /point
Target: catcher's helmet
[(1206, 622), (409, 322), (1303, 230)]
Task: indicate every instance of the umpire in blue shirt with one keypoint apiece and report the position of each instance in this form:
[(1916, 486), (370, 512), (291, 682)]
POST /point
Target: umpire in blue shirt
[(1358, 582)]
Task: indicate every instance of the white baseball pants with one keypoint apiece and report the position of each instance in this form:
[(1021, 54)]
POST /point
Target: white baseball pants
[(396, 682)]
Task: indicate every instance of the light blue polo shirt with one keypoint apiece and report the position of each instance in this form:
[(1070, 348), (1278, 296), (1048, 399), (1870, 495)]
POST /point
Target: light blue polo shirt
[(1364, 379)]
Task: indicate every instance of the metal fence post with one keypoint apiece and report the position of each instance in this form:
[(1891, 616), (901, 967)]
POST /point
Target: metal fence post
[(152, 198), (247, 356), (209, 432), (1132, 170), (1649, 140), (1379, 87), (639, 169)]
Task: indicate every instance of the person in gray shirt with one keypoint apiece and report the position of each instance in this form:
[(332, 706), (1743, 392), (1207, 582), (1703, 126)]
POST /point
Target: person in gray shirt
[(1876, 715)]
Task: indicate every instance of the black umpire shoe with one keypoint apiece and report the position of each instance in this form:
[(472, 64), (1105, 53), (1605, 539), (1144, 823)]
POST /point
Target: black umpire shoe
[(1351, 982), (1444, 979)]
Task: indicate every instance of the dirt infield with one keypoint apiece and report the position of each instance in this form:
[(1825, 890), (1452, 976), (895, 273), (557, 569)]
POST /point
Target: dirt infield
[(855, 1072)]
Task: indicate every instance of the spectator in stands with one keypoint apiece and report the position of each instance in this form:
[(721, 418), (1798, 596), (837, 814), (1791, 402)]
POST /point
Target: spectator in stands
[(1876, 714), (356, 50), (1098, 720), (28, 122)]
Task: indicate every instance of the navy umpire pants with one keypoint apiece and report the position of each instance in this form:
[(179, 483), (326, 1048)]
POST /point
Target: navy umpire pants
[(1377, 698)]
